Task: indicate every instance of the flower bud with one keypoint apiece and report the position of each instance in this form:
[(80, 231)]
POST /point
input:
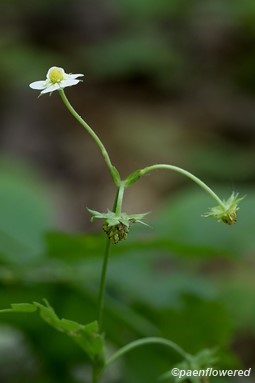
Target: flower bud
[(116, 233), (116, 226), (228, 212)]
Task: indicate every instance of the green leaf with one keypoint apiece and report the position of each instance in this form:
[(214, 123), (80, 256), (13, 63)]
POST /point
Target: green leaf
[(133, 177), (20, 307), (86, 336)]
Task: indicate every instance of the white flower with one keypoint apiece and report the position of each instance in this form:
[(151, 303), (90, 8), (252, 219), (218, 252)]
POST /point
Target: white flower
[(56, 79)]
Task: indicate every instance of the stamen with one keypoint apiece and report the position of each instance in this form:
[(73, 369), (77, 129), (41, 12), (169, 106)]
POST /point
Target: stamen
[(56, 75)]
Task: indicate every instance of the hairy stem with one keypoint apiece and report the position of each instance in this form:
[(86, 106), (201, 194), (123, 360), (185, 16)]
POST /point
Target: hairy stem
[(187, 174), (91, 132), (144, 341)]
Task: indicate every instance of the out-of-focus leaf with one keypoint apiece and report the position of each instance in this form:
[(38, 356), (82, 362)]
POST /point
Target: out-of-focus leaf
[(142, 283), (238, 290), (25, 214), (149, 8), (72, 247), (203, 360), (19, 54), (131, 55)]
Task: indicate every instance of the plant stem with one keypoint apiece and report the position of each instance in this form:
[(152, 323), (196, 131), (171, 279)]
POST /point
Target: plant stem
[(120, 196), (116, 207), (94, 375), (112, 169), (187, 174), (102, 285), (142, 342)]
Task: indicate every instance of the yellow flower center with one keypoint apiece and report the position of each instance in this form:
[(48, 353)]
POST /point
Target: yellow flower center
[(56, 75)]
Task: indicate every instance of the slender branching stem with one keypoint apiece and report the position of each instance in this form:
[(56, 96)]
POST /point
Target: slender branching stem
[(144, 341), (95, 137), (187, 174)]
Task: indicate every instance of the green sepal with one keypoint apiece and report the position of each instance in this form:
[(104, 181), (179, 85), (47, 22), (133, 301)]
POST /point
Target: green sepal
[(228, 212), (113, 219), (86, 336), (133, 177), (116, 226)]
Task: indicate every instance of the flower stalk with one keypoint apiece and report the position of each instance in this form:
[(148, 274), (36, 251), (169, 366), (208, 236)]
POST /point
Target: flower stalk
[(225, 211), (112, 169), (149, 340), (148, 169)]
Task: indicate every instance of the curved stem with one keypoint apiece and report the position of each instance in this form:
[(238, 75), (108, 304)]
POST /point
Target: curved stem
[(144, 341), (112, 169), (187, 174)]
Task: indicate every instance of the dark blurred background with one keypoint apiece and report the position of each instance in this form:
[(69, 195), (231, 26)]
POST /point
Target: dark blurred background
[(168, 81)]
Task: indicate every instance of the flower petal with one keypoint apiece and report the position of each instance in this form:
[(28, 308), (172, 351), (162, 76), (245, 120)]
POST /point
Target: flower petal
[(76, 75), (38, 85), (51, 88), (51, 84), (68, 82)]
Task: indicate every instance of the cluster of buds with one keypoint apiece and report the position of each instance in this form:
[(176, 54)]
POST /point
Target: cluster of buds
[(116, 233), (117, 226)]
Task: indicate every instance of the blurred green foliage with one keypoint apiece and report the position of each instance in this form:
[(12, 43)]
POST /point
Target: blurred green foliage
[(25, 214)]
